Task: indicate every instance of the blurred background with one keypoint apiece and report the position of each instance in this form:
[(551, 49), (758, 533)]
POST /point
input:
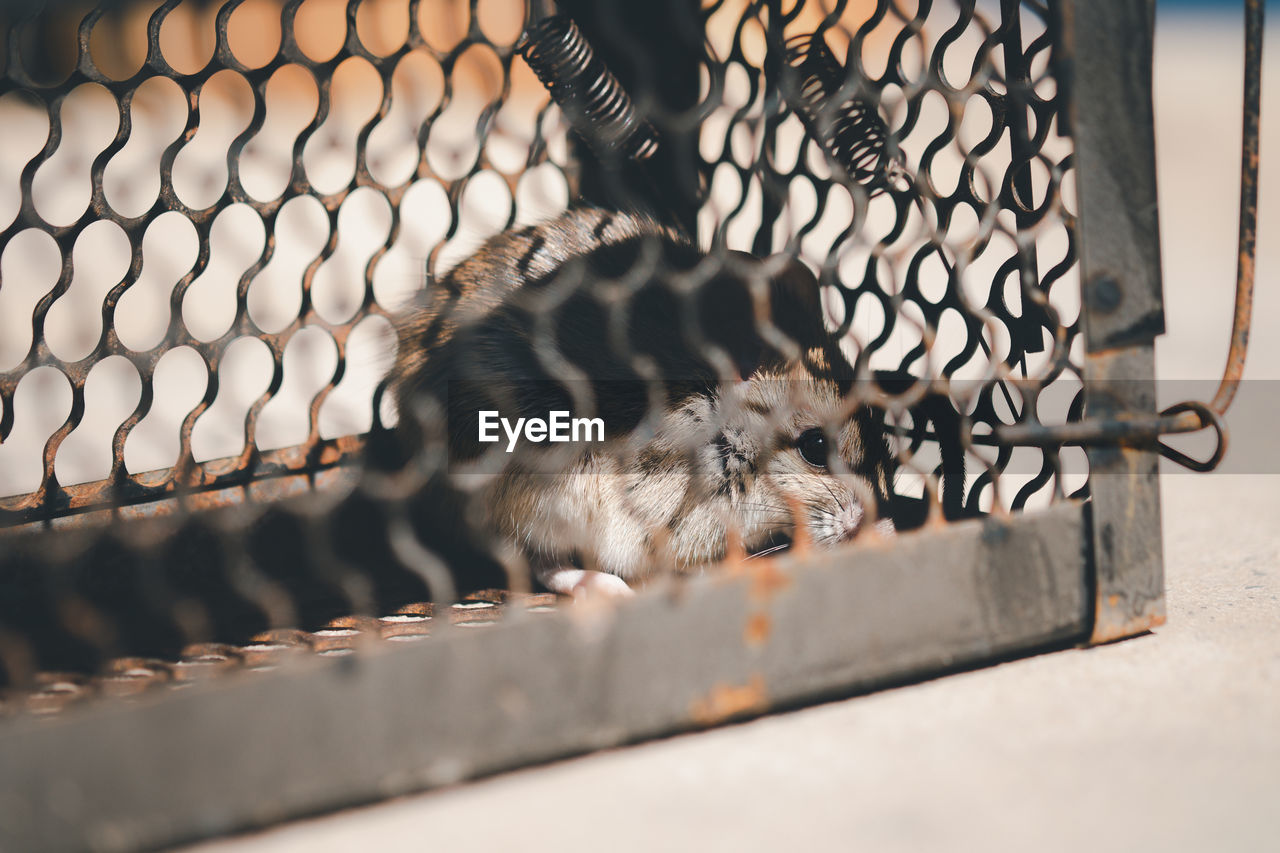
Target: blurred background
[(1198, 93)]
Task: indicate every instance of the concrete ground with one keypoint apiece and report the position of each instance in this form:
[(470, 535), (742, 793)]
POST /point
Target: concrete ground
[(1170, 741)]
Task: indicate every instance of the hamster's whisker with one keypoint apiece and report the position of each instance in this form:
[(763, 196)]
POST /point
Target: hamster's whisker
[(766, 507), (767, 551), (839, 502)]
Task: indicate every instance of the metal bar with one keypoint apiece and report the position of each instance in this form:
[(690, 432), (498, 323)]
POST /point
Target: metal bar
[(242, 751), (1023, 151), (773, 188), (1248, 243), (1107, 46), (148, 487), (1139, 430), (1110, 46)]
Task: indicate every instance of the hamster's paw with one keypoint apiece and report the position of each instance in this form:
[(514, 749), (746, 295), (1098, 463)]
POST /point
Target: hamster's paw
[(584, 584)]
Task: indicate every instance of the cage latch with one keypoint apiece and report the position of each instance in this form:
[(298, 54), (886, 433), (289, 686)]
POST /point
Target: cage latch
[(1129, 431)]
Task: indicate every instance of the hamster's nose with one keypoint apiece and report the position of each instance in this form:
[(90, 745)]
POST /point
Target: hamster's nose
[(849, 520)]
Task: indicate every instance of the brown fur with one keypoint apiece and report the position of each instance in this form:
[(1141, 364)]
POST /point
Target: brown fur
[(509, 323)]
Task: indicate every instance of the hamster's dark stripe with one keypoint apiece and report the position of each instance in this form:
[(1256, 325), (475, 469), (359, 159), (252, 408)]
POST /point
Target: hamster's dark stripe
[(526, 260), (737, 465), (650, 461), (601, 227)]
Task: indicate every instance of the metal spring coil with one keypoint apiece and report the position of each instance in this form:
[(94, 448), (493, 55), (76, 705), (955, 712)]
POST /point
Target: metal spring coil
[(590, 96), (854, 135)]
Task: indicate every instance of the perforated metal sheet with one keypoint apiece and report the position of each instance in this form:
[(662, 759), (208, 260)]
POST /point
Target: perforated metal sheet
[(197, 202), (291, 136), (964, 270), (230, 198)]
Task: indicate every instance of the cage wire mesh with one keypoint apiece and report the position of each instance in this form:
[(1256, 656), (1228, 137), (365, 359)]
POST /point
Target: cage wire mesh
[(213, 213)]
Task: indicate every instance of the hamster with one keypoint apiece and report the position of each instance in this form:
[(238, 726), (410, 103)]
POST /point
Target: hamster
[(721, 397)]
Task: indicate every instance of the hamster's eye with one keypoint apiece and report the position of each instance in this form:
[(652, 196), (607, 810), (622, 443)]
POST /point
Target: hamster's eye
[(812, 445)]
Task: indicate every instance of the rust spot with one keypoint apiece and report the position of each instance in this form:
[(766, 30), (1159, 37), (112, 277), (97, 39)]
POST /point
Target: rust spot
[(726, 701), (226, 480), (1114, 623), (735, 554), (767, 580), (801, 541), (758, 629)]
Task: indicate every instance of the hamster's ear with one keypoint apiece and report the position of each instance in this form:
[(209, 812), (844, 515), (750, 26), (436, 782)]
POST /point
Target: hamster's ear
[(796, 302), (795, 307), (728, 316)]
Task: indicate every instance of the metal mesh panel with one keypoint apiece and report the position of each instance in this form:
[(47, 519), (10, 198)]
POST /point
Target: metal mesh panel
[(362, 147), (963, 269), (237, 221)]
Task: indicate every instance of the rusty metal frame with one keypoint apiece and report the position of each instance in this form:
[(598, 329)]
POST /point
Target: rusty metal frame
[(1108, 47), (250, 749)]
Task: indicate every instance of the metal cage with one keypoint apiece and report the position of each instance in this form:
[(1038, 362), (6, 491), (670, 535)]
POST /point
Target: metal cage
[(214, 615)]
